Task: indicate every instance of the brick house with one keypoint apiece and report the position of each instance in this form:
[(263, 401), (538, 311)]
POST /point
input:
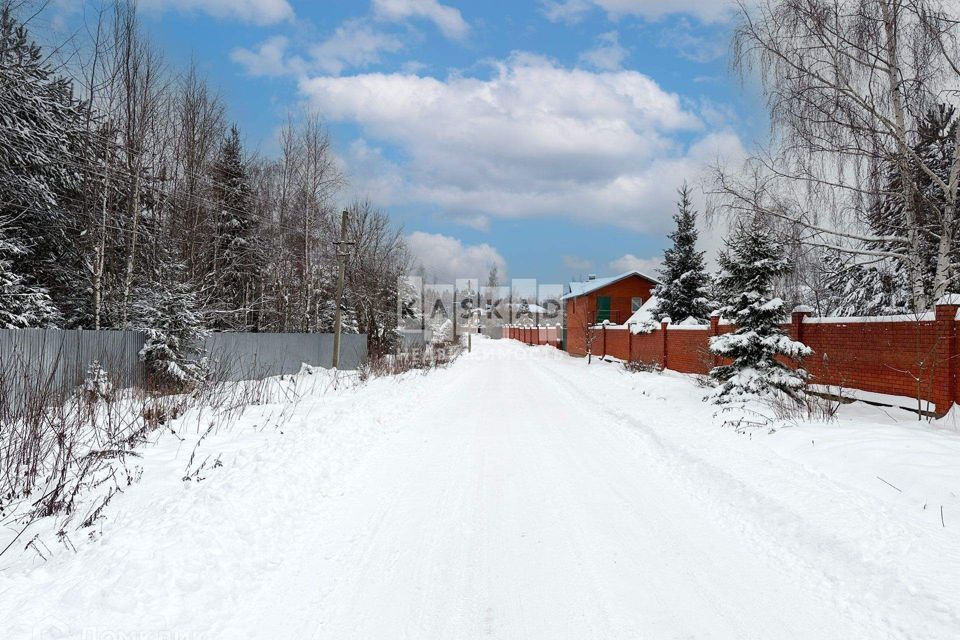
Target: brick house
[(595, 300)]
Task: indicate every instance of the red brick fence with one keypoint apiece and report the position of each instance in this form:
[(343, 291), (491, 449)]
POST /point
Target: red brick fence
[(533, 335), (911, 356)]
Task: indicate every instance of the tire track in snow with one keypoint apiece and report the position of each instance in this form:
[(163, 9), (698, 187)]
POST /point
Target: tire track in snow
[(785, 535)]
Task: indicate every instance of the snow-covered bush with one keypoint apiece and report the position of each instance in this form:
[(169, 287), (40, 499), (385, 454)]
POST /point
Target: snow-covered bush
[(751, 264), (443, 334), (97, 384)]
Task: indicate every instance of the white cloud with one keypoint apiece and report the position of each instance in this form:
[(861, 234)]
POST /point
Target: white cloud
[(693, 45), (269, 59), (448, 258), (535, 139), (630, 262), (569, 11), (354, 43), (261, 12), (413, 67), (574, 10), (608, 55), (447, 19), (371, 174), (577, 263), (476, 221)]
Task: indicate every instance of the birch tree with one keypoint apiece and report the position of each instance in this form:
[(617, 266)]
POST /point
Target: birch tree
[(847, 83)]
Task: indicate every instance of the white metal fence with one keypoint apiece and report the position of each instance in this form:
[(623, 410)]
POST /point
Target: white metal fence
[(57, 360), (258, 355)]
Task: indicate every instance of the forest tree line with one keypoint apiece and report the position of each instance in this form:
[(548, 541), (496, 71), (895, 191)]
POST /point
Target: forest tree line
[(128, 200)]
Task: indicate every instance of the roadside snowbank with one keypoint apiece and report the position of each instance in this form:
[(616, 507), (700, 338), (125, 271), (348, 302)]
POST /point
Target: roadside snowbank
[(148, 565)]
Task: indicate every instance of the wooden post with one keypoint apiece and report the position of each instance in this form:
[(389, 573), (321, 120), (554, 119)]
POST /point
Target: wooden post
[(341, 274)]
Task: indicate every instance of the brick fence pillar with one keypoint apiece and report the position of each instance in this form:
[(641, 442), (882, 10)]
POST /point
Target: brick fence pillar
[(664, 323), (945, 365), (604, 341), (714, 331), (629, 342), (796, 321)]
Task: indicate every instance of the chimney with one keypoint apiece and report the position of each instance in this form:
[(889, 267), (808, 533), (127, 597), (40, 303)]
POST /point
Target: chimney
[(592, 276)]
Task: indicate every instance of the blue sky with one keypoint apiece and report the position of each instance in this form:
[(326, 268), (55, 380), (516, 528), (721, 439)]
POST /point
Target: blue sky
[(545, 137)]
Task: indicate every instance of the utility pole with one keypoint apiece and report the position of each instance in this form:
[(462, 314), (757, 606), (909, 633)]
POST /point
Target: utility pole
[(342, 254)]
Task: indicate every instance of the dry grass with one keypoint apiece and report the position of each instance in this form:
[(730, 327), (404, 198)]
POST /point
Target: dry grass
[(423, 358)]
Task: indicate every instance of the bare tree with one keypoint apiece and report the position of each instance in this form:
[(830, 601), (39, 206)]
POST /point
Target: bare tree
[(319, 179), (198, 116), (379, 258), (98, 80), (140, 72), (847, 82)]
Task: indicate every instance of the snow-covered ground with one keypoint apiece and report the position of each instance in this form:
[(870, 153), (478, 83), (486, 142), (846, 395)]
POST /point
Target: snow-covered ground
[(518, 494)]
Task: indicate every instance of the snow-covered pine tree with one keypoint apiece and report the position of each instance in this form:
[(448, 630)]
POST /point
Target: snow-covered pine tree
[(442, 332), (750, 267), (326, 315), (682, 292), (41, 142), (852, 289), (22, 304), (523, 312), (235, 262), (168, 311)]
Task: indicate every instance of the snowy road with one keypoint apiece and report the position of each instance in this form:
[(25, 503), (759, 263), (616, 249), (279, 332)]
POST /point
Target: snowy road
[(530, 515), (517, 495)]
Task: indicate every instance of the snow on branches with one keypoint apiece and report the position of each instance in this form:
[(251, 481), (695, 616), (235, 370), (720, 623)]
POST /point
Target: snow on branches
[(751, 264), (683, 291)]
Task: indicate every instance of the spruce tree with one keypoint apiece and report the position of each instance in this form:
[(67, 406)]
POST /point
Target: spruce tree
[(235, 263), (750, 266), (22, 304), (682, 293), (42, 135), (853, 289), (168, 311)]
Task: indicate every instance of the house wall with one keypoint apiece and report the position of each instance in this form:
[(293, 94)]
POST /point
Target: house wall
[(581, 312)]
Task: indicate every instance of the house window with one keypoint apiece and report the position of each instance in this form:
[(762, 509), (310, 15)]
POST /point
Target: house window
[(603, 308), (635, 303)]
